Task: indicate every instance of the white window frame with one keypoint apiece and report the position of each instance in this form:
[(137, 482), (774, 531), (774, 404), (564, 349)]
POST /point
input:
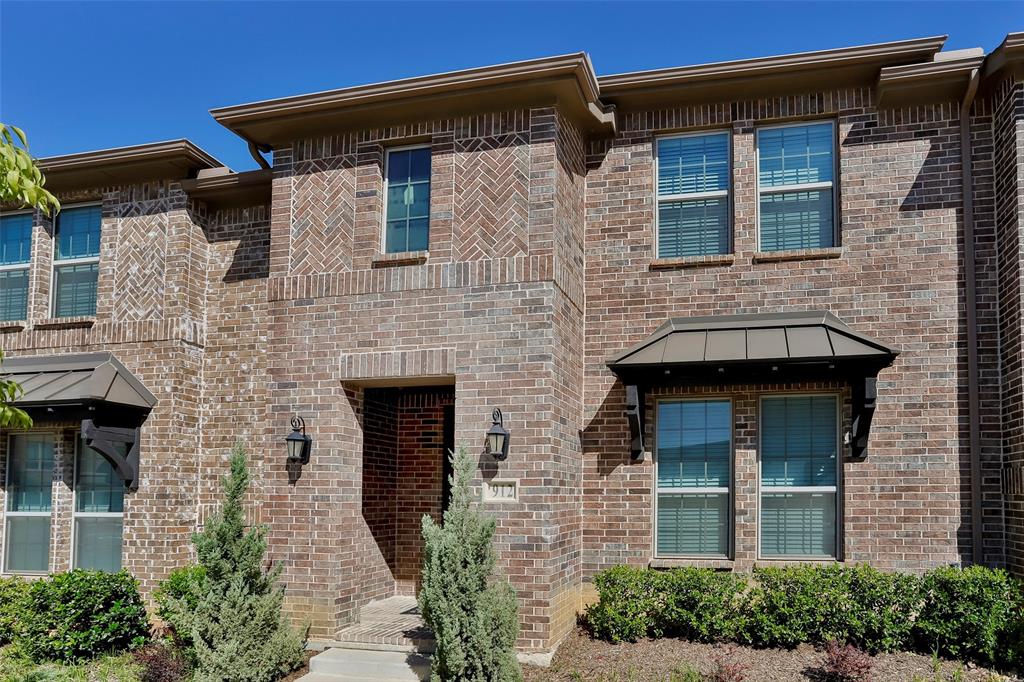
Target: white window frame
[(70, 261), (7, 514), (384, 195), (75, 514), (808, 187), (835, 490), (693, 196), (729, 492), (26, 266)]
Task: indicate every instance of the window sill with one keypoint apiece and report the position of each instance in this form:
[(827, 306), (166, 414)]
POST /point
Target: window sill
[(798, 254), (12, 326), (391, 260), (692, 262), (717, 563), (65, 323)]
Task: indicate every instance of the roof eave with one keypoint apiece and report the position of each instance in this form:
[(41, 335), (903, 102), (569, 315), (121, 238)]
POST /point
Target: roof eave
[(231, 190), (1007, 59), (762, 76), (566, 81), (170, 160), (926, 83)]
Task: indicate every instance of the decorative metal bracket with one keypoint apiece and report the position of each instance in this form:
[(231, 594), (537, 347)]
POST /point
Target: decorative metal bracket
[(105, 439), (865, 396), (635, 416)]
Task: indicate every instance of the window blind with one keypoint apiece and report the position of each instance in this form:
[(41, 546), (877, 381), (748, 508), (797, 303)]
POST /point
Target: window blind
[(694, 450), (795, 184), (693, 195), (799, 449)]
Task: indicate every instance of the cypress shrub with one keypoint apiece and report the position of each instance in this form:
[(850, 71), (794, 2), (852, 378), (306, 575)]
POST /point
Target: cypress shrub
[(233, 615), (473, 615)]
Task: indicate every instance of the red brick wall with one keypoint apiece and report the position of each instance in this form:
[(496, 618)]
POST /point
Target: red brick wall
[(897, 277)]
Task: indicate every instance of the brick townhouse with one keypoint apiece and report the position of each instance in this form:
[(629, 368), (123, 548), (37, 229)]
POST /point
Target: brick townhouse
[(733, 314)]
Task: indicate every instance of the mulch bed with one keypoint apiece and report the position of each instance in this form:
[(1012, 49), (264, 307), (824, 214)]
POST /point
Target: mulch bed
[(582, 658)]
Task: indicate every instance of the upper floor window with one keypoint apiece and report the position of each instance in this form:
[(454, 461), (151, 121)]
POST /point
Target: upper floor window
[(15, 254), (29, 503), (693, 464), (799, 468), (407, 192), (796, 202), (76, 261), (693, 195)]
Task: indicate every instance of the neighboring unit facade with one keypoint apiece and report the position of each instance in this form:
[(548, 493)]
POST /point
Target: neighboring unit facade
[(732, 314)]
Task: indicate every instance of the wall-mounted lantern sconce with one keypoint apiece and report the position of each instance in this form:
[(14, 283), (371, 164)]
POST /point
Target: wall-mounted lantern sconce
[(497, 437), (298, 442)]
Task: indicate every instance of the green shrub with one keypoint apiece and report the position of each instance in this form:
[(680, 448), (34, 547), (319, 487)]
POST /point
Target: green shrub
[(235, 623), (473, 616), (701, 604), (884, 608), (13, 604), (798, 604), (969, 613), (81, 614), (695, 603), (975, 613), (630, 604), (180, 593)]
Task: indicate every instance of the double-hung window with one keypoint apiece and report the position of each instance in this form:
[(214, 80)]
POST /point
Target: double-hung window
[(799, 447), (796, 202), (29, 503), (15, 255), (693, 465), (99, 510), (407, 197), (693, 195), (76, 261)]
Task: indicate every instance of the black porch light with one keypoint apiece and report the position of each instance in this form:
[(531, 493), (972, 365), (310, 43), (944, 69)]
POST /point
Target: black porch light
[(298, 442), (497, 437)]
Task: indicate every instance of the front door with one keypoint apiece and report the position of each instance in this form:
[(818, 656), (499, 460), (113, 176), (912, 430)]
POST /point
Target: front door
[(448, 440)]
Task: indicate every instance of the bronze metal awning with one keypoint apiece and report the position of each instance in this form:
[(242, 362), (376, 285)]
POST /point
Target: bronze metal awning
[(95, 388), (721, 349)]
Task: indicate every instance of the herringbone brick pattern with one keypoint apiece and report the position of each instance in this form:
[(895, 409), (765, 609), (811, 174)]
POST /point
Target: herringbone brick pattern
[(492, 210), (323, 215), (141, 257)]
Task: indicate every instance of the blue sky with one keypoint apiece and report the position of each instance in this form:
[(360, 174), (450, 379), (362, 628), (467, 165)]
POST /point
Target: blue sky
[(81, 76)]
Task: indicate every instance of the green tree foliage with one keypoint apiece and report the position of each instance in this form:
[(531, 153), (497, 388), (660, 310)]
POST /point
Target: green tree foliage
[(233, 616), (21, 185), (473, 615), (21, 181), (10, 416)]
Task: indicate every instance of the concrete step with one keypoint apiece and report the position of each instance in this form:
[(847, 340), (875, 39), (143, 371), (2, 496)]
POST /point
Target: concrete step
[(360, 665)]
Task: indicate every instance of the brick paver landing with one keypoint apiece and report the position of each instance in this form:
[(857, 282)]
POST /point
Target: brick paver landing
[(392, 622)]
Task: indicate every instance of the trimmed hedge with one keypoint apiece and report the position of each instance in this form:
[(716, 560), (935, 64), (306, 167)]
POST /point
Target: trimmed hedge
[(974, 613), (81, 614), (13, 602)]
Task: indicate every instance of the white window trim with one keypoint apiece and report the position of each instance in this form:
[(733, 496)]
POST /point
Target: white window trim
[(52, 312), (384, 193), (693, 196), (9, 514), (696, 490), (27, 265), (808, 187), (75, 514), (823, 489)]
